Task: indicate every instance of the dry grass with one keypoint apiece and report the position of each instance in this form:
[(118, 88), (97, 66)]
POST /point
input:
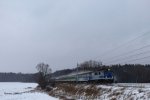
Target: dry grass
[(140, 90), (117, 93), (148, 95), (79, 90), (114, 98), (92, 91)]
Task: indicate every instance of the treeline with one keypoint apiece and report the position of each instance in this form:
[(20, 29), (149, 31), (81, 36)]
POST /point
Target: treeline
[(128, 73), (131, 73), (17, 77)]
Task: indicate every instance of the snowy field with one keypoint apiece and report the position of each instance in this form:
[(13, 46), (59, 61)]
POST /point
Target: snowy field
[(120, 91), (21, 91)]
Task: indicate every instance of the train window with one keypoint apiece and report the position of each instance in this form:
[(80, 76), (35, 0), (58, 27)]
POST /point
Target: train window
[(96, 74), (99, 73)]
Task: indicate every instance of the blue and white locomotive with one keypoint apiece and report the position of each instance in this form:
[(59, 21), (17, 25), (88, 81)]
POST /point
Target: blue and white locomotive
[(101, 76)]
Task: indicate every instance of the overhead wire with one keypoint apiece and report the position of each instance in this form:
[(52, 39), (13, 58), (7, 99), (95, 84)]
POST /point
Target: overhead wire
[(130, 56), (139, 59), (113, 58), (118, 47)]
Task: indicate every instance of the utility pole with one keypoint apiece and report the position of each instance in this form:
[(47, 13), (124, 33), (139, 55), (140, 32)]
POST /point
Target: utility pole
[(77, 73)]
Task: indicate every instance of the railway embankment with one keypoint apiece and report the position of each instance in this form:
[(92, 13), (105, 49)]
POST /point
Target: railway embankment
[(100, 92)]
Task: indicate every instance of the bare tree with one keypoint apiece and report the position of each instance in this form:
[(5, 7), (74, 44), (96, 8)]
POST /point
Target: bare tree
[(43, 74)]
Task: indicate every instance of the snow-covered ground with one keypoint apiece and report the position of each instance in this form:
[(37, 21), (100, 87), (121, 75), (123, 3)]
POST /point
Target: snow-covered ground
[(125, 91), (21, 91), (119, 91)]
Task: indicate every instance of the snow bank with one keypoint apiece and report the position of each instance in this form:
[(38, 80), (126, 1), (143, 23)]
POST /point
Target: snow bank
[(21, 91), (104, 92)]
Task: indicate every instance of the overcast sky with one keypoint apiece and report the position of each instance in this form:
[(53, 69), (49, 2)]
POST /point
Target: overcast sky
[(64, 32)]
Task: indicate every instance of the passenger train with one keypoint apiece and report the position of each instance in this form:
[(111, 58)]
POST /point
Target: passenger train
[(101, 76)]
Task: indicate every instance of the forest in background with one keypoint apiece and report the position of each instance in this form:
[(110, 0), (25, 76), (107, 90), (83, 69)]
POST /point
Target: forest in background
[(128, 73), (17, 77)]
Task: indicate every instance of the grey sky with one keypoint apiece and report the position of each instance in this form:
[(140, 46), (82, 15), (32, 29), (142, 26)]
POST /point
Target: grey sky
[(64, 32)]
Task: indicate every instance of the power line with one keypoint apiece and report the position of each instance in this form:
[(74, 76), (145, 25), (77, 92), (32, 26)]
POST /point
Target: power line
[(144, 62), (131, 56), (118, 47), (146, 46), (139, 58)]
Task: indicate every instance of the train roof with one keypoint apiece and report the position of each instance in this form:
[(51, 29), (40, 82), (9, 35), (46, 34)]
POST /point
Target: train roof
[(75, 73), (81, 72)]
